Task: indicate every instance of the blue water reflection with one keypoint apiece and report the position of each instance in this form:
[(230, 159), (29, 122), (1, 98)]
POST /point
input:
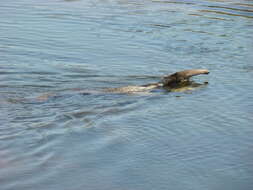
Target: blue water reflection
[(192, 140)]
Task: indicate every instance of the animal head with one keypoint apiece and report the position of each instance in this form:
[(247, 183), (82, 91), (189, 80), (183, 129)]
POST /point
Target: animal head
[(182, 76)]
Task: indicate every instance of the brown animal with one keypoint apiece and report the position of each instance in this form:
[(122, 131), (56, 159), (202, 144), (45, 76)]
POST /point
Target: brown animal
[(169, 82), (177, 82)]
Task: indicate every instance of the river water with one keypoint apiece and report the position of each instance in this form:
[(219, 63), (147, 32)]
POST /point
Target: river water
[(199, 139)]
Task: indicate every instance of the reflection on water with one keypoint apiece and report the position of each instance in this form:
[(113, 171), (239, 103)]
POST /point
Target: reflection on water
[(60, 131)]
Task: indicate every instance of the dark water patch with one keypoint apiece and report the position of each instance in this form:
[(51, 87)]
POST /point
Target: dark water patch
[(248, 68), (161, 25), (81, 114)]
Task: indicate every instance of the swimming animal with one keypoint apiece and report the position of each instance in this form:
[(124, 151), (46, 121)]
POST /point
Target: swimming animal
[(176, 82), (169, 82)]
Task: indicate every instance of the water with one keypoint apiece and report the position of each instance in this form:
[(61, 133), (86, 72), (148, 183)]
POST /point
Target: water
[(193, 140)]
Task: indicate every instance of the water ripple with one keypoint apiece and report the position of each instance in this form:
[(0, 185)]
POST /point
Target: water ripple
[(60, 131)]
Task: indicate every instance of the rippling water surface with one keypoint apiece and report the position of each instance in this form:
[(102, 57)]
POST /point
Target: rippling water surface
[(67, 140)]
